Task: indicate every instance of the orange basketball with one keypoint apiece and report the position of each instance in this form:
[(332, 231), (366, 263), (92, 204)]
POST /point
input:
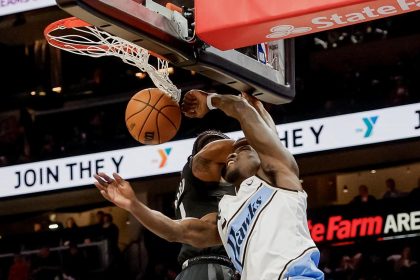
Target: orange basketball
[(152, 117)]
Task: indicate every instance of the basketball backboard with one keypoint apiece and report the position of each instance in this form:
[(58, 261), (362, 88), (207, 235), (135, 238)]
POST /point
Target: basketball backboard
[(166, 33)]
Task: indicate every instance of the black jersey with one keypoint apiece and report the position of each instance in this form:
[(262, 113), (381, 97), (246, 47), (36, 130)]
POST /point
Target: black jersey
[(196, 198)]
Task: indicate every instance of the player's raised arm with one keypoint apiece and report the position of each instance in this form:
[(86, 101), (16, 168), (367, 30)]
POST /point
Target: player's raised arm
[(208, 162), (199, 233), (277, 163), (258, 105)]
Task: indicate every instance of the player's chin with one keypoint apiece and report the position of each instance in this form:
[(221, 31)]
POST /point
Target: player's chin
[(188, 115), (185, 111), (223, 172), (228, 173)]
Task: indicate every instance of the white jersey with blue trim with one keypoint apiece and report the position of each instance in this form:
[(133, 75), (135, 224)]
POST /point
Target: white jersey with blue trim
[(265, 233)]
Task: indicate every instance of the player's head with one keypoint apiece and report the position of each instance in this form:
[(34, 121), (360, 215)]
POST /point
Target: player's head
[(206, 137), (243, 163)]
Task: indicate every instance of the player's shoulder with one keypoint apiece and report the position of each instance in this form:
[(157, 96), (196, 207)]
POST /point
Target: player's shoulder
[(191, 177)]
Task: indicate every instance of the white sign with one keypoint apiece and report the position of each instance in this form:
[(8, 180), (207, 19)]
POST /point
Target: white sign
[(8, 7), (352, 129), (300, 137)]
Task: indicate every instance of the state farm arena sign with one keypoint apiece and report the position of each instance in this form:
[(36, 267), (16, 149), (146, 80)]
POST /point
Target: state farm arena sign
[(350, 223), (257, 21)]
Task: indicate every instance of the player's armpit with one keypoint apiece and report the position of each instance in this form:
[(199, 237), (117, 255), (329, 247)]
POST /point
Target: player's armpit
[(200, 233)]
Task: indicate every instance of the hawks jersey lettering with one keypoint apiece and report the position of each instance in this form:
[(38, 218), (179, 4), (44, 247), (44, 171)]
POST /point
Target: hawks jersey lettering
[(242, 225), (265, 232)]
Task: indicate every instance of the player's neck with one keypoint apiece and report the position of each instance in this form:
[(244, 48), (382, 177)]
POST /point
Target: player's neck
[(239, 182), (237, 189)]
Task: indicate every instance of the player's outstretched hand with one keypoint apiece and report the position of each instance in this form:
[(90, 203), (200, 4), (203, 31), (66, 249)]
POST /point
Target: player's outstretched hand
[(116, 190), (194, 104), (253, 101)]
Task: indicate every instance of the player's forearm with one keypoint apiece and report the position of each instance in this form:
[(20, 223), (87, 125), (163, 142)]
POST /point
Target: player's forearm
[(155, 221), (251, 122), (266, 117), (233, 106), (218, 150), (260, 133), (239, 109), (236, 107)]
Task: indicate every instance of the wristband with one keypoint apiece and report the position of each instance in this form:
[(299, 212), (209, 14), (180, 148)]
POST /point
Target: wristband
[(209, 97)]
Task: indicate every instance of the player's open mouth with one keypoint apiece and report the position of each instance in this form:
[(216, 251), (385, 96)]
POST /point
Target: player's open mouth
[(230, 159)]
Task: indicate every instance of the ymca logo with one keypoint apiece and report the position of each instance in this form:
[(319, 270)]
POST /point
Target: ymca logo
[(370, 124), (281, 31), (164, 154)]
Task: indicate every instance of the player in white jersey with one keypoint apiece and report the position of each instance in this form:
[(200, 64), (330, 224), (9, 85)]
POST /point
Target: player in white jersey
[(264, 227)]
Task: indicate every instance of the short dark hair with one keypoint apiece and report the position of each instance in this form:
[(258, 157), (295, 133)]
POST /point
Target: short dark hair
[(207, 137)]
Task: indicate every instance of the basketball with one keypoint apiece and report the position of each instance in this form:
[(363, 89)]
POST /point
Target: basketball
[(152, 116)]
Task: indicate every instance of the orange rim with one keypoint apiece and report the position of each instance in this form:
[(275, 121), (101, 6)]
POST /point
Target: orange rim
[(70, 23), (66, 23)]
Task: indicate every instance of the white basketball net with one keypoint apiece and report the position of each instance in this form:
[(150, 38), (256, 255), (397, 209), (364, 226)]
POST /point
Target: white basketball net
[(99, 43)]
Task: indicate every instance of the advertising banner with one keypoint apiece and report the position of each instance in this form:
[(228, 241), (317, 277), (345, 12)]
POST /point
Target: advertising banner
[(256, 21), (381, 220), (310, 136)]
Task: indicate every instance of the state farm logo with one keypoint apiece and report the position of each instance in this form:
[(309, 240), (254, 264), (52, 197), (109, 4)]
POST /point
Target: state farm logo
[(281, 31), (338, 228), (343, 16)]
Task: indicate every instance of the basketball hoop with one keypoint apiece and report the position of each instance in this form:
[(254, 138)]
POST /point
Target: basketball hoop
[(79, 37)]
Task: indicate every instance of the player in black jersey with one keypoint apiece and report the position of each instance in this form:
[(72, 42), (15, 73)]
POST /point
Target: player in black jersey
[(199, 193)]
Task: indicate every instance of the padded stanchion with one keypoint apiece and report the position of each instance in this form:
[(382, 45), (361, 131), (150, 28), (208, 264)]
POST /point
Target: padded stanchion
[(229, 24)]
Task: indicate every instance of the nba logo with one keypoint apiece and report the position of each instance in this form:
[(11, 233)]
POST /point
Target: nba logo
[(262, 53)]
